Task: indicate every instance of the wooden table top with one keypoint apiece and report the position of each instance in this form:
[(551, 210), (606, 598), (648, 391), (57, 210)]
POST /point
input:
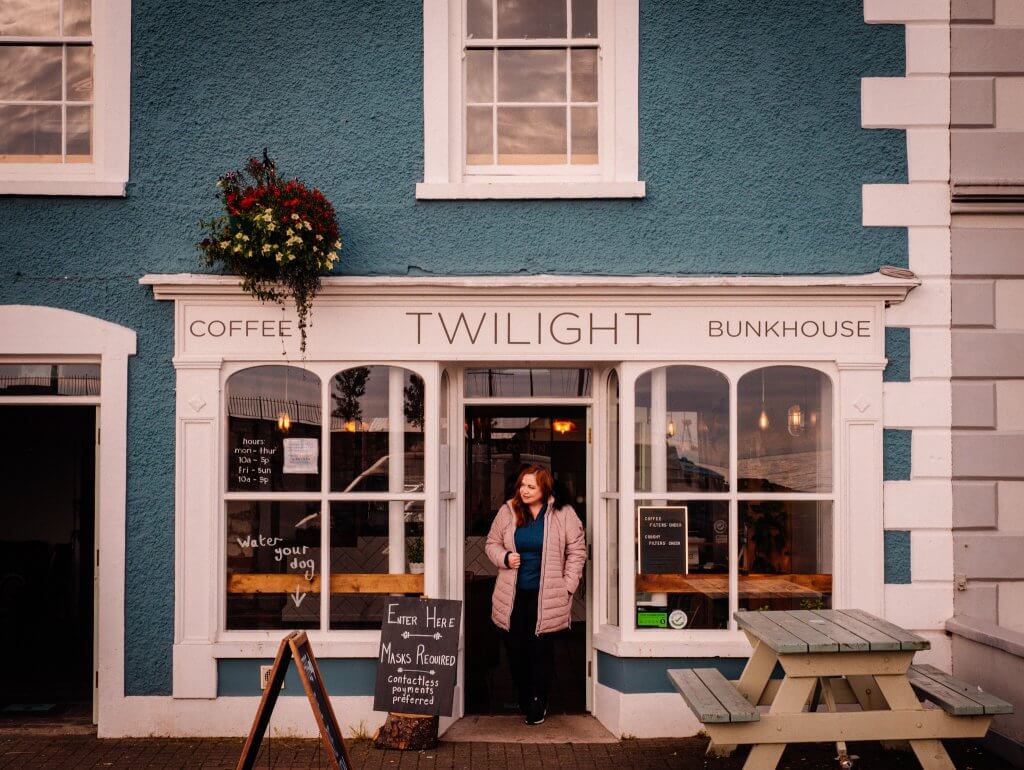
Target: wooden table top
[(826, 631)]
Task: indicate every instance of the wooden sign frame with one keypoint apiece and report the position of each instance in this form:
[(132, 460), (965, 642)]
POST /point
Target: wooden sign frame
[(296, 646)]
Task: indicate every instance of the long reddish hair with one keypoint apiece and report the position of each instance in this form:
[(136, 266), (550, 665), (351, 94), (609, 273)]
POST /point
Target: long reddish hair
[(544, 480)]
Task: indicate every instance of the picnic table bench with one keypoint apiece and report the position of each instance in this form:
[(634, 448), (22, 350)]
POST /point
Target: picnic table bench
[(839, 657)]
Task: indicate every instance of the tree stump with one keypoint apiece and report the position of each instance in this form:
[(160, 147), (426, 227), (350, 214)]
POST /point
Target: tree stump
[(407, 732)]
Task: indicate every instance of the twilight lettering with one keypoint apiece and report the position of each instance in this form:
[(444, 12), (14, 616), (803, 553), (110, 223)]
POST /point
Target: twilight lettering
[(510, 328)]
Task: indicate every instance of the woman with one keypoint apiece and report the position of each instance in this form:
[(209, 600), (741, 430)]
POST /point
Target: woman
[(539, 549)]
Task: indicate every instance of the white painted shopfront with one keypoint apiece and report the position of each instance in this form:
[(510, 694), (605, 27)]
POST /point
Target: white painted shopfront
[(631, 336)]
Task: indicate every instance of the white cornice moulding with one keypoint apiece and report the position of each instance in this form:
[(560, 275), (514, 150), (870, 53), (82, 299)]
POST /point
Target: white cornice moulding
[(869, 286)]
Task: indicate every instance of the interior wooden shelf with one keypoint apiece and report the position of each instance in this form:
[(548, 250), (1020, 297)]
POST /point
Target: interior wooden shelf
[(350, 583)]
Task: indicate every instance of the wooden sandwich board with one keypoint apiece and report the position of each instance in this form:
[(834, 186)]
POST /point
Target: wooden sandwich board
[(296, 645)]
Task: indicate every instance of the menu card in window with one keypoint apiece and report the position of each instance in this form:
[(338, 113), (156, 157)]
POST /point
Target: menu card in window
[(301, 455), (662, 546)]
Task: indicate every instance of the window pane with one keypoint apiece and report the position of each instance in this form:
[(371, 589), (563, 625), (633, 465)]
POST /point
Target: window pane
[(77, 17), (584, 135), (584, 18), (531, 75), (273, 430), (682, 430), (531, 135), (584, 75), (79, 149), (29, 17), (479, 19), (479, 136), (516, 383), (273, 564), (30, 133), (531, 18), (612, 561), (30, 72), (79, 73), (682, 582), (613, 432), (785, 554), (785, 430), (365, 403), (49, 379), (360, 545), (480, 75)]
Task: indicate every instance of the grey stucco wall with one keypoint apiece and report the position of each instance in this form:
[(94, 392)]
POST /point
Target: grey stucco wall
[(750, 145)]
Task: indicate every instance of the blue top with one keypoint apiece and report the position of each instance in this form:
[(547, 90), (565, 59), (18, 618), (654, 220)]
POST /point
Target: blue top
[(529, 542)]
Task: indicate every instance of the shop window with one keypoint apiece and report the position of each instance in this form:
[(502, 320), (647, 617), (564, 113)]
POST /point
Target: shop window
[(527, 383), (64, 97), (682, 430), (44, 379), (687, 506), (545, 93), (374, 499)]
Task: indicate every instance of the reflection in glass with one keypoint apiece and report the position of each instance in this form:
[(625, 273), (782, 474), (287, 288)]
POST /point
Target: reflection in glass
[(515, 383), (785, 554), (584, 74), (361, 545), (531, 18), (785, 430), (376, 412), (273, 565), (79, 73), (698, 585), (613, 432), (30, 72), (480, 75), (584, 18), (31, 133), (29, 18), (479, 19), (531, 135), (682, 430), (531, 75), (584, 135), (79, 149), (256, 398), (479, 136), (612, 561), (49, 379), (77, 17)]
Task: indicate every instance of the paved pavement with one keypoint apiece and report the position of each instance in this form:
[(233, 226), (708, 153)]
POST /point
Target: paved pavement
[(38, 752)]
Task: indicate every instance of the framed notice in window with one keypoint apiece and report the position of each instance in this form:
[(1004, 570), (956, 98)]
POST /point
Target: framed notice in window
[(662, 542), (300, 455)]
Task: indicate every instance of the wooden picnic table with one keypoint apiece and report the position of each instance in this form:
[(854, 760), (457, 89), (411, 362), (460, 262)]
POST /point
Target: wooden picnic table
[(841, 657)]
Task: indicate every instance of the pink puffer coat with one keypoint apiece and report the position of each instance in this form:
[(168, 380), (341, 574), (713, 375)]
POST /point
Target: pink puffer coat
[(561, 566)]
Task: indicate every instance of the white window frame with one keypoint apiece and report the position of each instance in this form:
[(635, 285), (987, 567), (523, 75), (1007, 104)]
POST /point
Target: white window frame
[(107, 174), (445, 175)]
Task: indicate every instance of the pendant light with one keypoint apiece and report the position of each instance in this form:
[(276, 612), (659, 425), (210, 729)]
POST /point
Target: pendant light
[(284, 420), (762, 420), (795, 420)]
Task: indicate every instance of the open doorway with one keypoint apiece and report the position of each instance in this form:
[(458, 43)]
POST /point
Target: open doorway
[(500, 440), (47, 533)]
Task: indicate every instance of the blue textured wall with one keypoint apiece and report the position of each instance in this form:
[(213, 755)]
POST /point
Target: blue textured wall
[(897, 350), (897, 448), (750, 146), (897, 556)]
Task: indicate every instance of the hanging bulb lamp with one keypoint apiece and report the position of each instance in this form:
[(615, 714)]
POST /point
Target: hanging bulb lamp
[(762, 420), (284, 422), (563, 426), (671, 430), (795, 420)]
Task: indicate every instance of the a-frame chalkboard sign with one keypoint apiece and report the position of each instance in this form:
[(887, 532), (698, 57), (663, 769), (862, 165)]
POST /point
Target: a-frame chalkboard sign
[(296, 645)]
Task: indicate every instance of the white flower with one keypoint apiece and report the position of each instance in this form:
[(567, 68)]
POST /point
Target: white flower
[(266, 248), (295, 216), (319, 237)]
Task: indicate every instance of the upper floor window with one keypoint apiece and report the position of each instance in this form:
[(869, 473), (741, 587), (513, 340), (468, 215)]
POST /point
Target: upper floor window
[(63, 96), (538, 100)]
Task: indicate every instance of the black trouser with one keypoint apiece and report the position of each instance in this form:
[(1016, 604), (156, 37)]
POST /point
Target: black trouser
[(530, 655)]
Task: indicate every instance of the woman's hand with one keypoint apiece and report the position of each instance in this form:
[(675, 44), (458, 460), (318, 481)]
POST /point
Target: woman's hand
[(514, 560)]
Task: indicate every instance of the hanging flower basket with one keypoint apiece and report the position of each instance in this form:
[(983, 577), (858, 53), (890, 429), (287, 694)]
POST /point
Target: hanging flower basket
[(278, 236)]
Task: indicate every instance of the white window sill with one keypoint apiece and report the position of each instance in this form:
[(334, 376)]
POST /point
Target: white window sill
[(83, 187), (673, 644), (528, 190)]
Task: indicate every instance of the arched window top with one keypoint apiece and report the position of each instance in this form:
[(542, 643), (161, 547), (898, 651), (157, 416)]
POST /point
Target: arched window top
[(273, 430), (785, 430), (682, 423), (377, 414)]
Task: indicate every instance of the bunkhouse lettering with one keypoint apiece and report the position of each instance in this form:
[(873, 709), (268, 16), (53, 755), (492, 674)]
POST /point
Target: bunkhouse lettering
[(789, 329), (565, 327)]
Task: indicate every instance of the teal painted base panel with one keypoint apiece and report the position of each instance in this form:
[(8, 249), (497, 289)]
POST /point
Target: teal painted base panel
[(647, 675), (237, 677)]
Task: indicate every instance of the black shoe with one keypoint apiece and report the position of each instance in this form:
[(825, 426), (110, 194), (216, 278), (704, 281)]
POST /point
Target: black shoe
[(536, 712)]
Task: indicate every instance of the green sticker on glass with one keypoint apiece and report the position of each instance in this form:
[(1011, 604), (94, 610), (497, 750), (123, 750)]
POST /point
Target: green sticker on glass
[(652, 619)]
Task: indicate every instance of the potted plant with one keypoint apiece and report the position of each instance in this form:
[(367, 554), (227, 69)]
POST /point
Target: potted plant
[(278, 235), (414, 555)]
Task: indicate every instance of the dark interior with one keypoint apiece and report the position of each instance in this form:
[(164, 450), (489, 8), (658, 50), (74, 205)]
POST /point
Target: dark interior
[(500, 440), (47, 521)]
